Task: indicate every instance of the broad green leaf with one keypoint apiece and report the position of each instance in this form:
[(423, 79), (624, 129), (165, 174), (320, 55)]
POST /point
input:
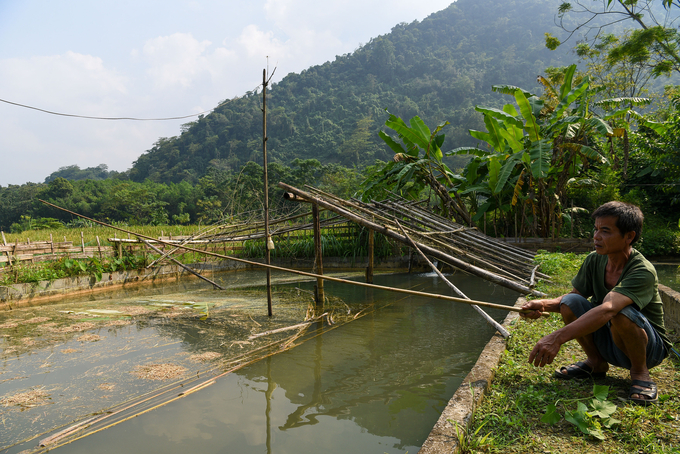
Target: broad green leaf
[(494, 170), (602, 408), (593, 154), (471, 170), (506, 171), (468, 150), (494, 137), (616, 102), (536, 104), (501, 115), (409, 134), (600, 125), (421, 128), (396, 147), (482, 209), (601, 392), (551, 416), (568, 78), (531, 127), (510, 90), (511, 140), (480, 135), (566, 101), (540, 159), (578, 418), (610, 422)]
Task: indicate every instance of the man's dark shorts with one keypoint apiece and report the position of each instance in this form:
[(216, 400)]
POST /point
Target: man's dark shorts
[(656, 351)]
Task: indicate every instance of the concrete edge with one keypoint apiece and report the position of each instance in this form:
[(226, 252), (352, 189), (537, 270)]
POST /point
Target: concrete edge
[(458, 413), (33, 294)]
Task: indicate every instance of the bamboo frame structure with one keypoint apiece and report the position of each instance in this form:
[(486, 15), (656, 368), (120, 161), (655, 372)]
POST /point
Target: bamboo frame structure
[(360, 214)]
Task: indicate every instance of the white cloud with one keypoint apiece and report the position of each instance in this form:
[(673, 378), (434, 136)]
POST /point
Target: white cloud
[(176, 59), (70, 79)]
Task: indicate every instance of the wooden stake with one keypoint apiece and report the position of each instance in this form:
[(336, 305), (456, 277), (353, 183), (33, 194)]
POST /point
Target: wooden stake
[(99, 247), (371, 245), (51, 244), (82, 242), (4, 241)]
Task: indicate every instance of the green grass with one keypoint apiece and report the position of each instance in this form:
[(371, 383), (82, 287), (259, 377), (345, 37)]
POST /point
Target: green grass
[(90, 233), (510, 415)]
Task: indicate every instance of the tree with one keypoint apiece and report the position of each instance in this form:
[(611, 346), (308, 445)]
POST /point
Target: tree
[(532, 155), (655, 43), (417, 164)]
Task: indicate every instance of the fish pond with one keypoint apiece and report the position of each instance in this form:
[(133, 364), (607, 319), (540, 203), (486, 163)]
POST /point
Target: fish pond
[(184, 367)]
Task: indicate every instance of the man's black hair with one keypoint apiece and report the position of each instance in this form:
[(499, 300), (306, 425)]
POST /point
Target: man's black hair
[(629, 218)]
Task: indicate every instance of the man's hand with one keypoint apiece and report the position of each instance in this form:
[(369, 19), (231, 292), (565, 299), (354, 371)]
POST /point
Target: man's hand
[(536, 306), (545, 350)]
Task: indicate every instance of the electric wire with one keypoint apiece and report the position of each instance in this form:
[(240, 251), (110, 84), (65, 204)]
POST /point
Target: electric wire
[(103, 118)]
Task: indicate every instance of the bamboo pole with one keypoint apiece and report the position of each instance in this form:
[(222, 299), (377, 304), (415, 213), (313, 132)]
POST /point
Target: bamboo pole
[(82, 242), (268, 239), (194, 272), (312, 275), (4, 240), (99, 247), (430, 251), (476, 260), (319, 295), (371, 246), (479, 310)]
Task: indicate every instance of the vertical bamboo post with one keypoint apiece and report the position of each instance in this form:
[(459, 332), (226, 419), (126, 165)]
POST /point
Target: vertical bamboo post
[(571, 220), (82, 242), (318, 256), (267, 238), (4, 240), (371, 244), (99, 247)]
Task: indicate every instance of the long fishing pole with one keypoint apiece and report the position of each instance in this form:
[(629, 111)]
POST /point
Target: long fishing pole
[(303, 273)]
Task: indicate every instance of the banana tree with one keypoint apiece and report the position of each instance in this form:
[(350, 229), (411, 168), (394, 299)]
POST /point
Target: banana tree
[(531, 155), (417, 164)]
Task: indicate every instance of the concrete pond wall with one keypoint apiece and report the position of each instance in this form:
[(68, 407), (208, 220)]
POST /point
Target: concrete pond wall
[(22, 295)]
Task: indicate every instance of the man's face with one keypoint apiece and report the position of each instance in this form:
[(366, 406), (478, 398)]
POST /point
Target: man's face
[(608, 238)]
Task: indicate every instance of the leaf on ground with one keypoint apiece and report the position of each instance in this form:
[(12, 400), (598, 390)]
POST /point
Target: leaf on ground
[(600, 392), (602, 408), (551, 416)]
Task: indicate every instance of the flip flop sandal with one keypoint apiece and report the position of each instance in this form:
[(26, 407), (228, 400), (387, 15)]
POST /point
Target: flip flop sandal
[(578, 371), (638, 387)]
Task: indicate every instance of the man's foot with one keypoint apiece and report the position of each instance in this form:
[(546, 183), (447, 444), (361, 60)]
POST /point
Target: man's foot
[(579, 371), (643, 392)]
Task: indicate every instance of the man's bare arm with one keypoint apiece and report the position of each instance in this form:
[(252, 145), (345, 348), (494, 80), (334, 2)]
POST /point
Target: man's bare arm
[(547, 348)]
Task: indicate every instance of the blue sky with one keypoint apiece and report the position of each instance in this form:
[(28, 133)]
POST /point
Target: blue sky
[(154, 59)]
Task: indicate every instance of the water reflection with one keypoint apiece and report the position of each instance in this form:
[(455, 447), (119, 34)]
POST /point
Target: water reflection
[(377, 384), (669, 275)]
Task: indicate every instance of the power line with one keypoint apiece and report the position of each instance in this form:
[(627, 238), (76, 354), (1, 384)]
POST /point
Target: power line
[(103, 118)]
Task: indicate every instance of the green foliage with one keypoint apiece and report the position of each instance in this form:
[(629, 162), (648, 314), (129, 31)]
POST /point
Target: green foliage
[(654, 42), (417, 164), (584, 416), (68, 267)]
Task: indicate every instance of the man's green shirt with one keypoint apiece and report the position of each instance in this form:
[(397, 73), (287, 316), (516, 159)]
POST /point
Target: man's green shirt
[(638, 282)]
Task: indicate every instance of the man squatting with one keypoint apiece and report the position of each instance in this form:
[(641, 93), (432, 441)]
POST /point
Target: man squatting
[(622, 324)]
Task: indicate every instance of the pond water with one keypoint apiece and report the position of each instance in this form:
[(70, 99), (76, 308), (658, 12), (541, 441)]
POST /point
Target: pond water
[(375, 381), (669, 275)]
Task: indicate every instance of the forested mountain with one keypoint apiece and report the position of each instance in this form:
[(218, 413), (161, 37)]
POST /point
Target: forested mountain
[(439, 69)]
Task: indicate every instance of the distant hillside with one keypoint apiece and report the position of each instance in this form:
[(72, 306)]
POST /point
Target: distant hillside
[(439, 69)]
